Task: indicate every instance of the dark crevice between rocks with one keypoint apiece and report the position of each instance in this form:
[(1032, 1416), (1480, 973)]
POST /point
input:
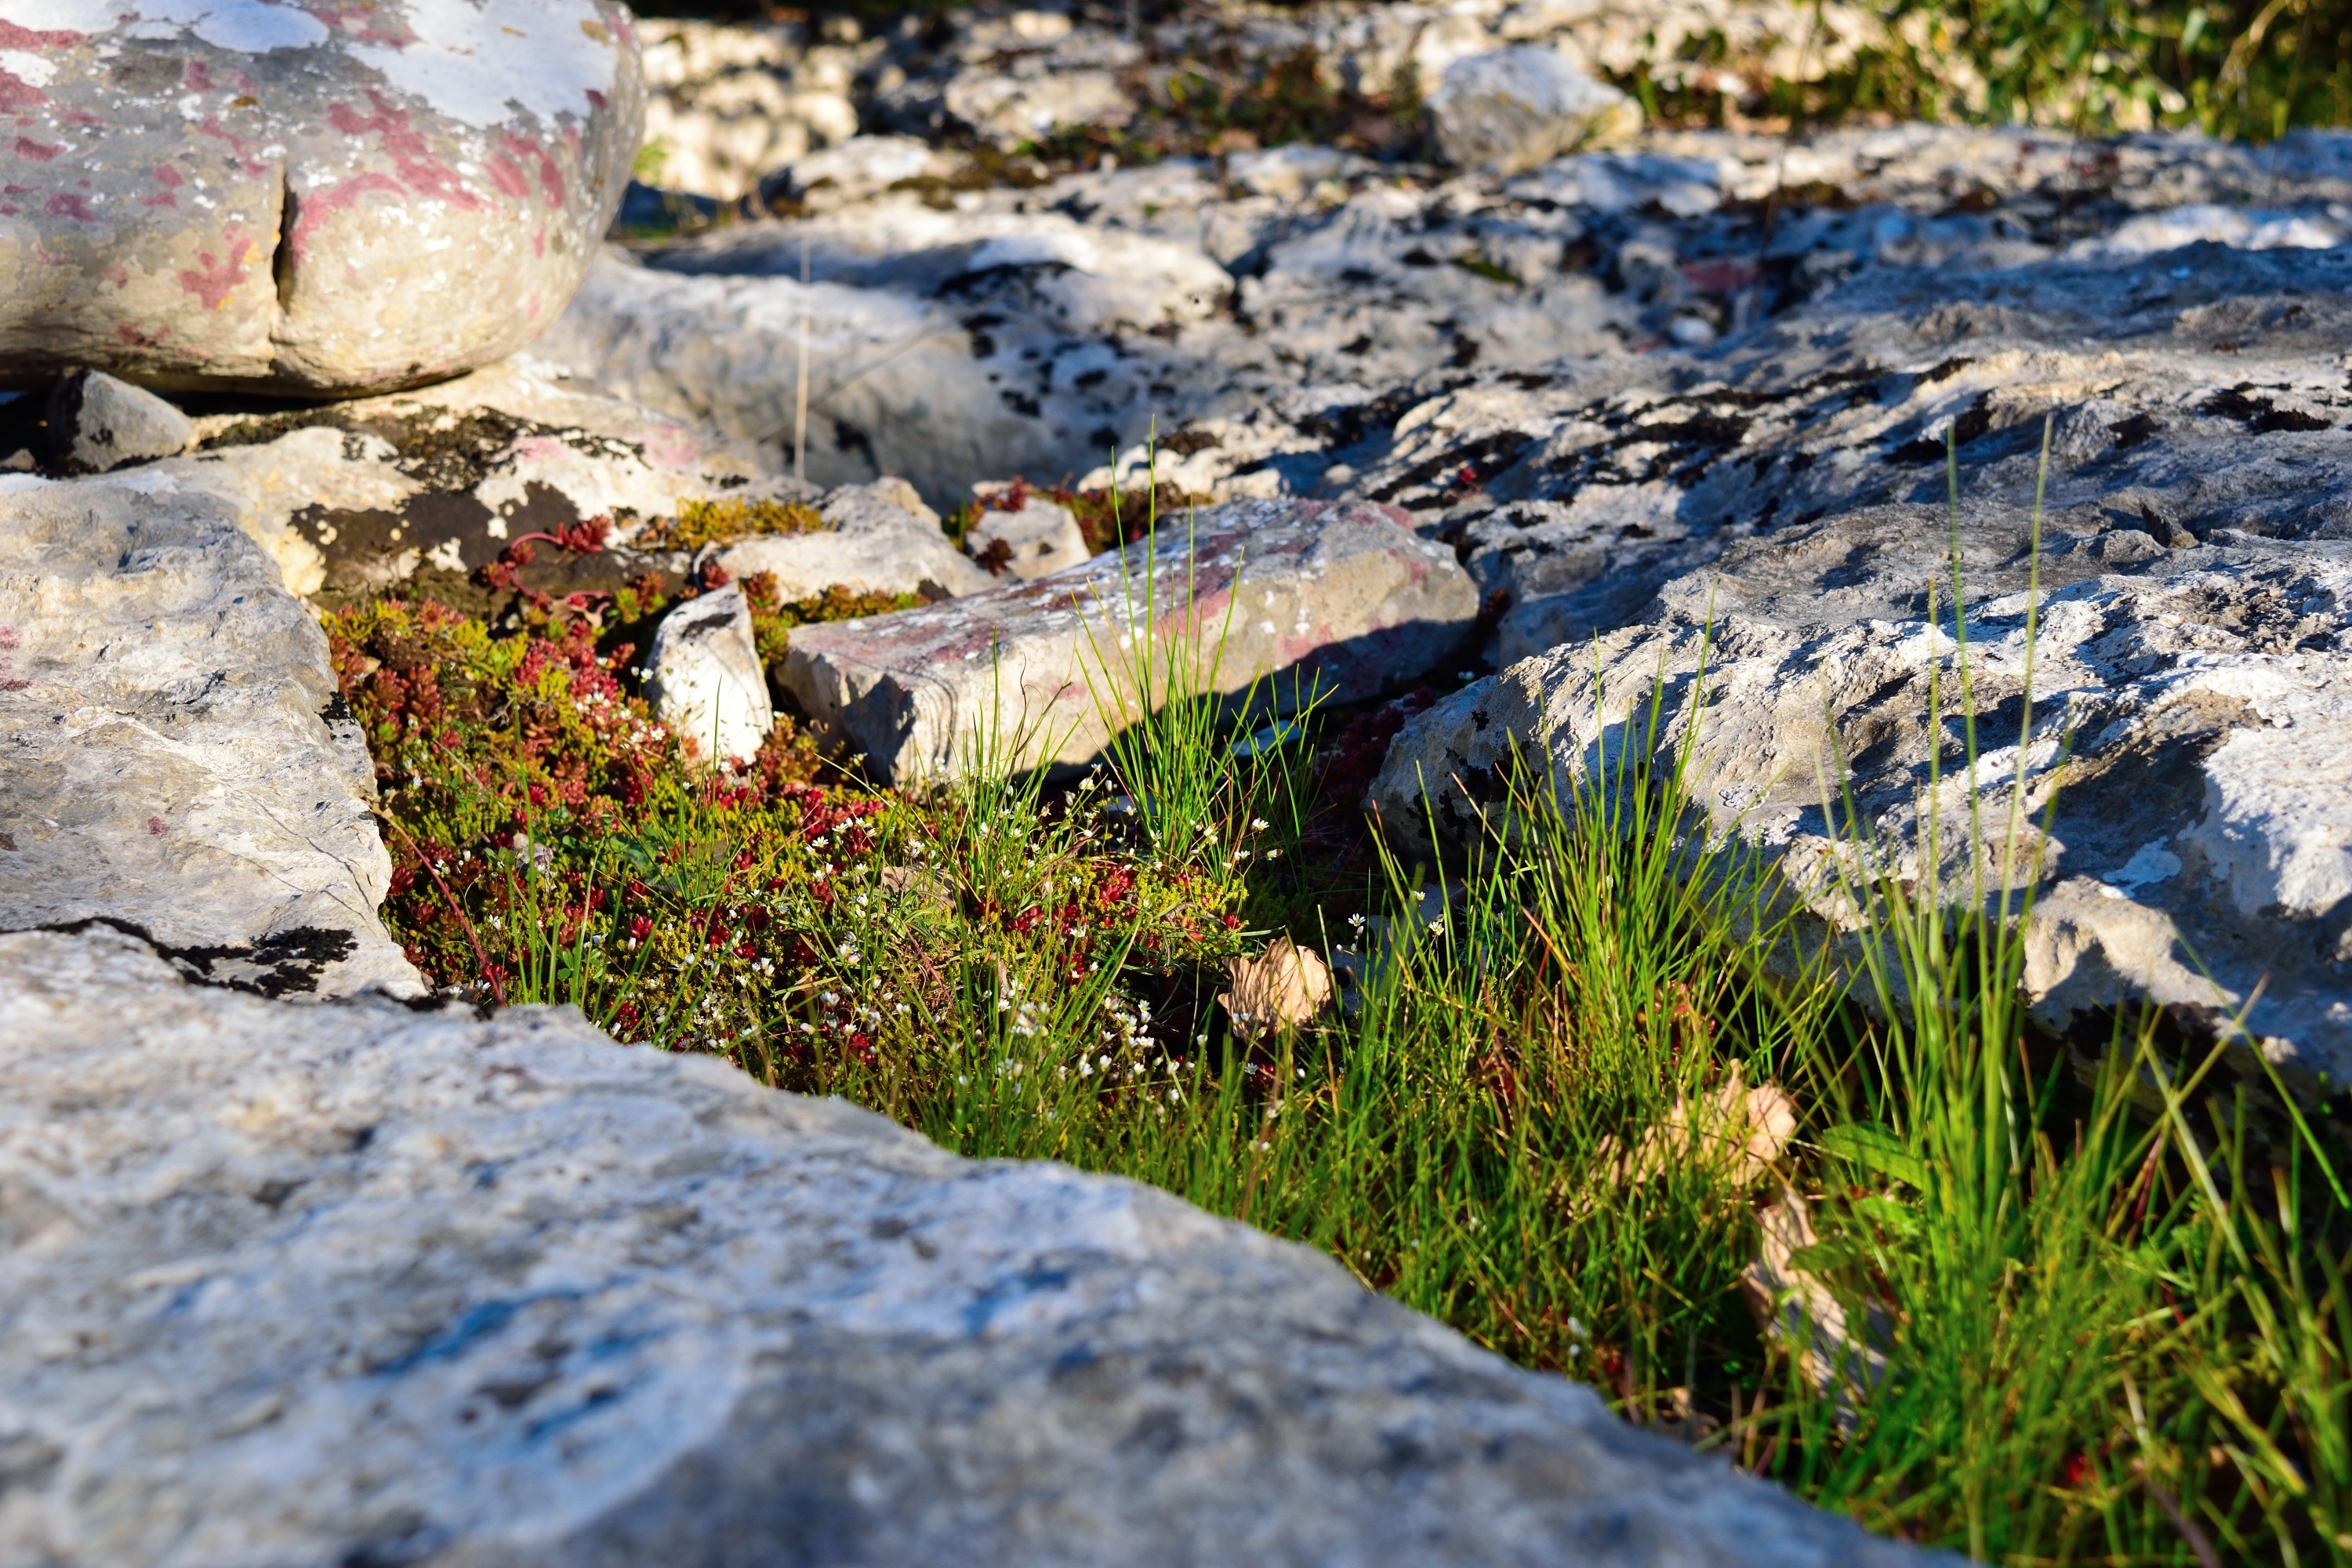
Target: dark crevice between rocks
[(283, 964)]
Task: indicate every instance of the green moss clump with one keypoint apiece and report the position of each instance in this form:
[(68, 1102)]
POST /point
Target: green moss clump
[(701, 523)]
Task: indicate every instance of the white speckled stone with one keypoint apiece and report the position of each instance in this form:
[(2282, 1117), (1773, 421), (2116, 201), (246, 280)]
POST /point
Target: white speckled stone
[(355, 1284), (174, 754)]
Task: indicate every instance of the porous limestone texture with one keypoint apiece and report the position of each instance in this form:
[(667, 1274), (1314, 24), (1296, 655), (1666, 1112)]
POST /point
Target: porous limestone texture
[(1512, 108), (1036, 540), (419, 490), (1282, 319), (356, 1284), (878, 538), (1289, 597), (175, 756), (248, 194), (97, 423), (704, 677), (2191, 712)]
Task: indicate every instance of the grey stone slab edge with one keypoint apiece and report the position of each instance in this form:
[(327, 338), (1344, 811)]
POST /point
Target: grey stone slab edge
[(355, 1282)]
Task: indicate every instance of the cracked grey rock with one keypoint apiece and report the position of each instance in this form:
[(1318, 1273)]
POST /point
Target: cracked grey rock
[(97, 423), (248, 196), (175, 756), (352, 1283)]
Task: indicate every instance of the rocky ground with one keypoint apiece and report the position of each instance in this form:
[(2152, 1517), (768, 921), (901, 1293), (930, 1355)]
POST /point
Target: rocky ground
[(1479, 383), (1684, 385)]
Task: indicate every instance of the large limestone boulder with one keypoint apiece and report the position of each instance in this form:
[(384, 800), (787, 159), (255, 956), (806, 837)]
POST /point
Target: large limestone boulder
[(256, 196), (175, 756), (356, 1284), (1292, 597)]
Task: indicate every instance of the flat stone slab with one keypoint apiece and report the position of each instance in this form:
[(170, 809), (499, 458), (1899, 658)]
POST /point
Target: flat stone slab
[(175, 755), (354, 1283), (1300, 594), (246, 194)]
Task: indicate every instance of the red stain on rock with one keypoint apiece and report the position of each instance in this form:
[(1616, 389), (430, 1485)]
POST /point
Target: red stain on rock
[(41, 152), (551, 178), (14, 37), (68, 203), (218, 280), (17, 93), (315, 208), (538, 242), (507, 178), (118, 276), (197, 76), (412, 156), (155, 828), (124, 332), (169, 178)]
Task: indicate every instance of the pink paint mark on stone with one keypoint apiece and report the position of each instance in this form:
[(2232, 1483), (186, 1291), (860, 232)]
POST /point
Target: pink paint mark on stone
[(40, 152), (16, 36), (318, 207), (118, 276), (595, 100), (551, 178), (412, 156), (218, 280), (72, 205), (197, 76), (538, 243), (17, 93), (124, 332), (169, 178), (370, 22), (509, 179), (155, 828)]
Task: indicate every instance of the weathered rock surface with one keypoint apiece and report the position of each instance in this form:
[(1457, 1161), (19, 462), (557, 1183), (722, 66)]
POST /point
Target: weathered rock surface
[(878, 538), (350, 1283), (1283, 319), (704, 677), (2194, 720), (97, 423), (251, 194), (174, 754), (1513, 109), (1034, 540), (1301, 595), (422, 489)]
